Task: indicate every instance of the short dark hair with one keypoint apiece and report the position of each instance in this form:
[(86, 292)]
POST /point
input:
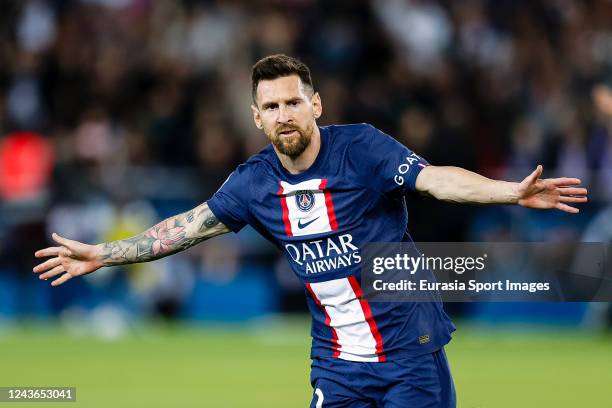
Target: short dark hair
[(277, 66)]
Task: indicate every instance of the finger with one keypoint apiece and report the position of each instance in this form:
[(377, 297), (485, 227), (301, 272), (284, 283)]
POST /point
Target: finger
[(53, 272), (61, 279), (51, 251), (569, 199), (572, 191), (50, 263), (567, 208), (62, 241), (534, 175), (565, 181)]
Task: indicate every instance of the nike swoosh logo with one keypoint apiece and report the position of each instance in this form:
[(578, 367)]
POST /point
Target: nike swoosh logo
[(304, 225)]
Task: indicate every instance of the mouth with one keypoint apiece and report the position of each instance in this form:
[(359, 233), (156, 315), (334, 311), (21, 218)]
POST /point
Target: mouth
[(287, 133)]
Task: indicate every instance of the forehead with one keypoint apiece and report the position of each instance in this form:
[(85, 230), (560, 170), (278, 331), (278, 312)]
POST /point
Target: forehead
[(279, 89)]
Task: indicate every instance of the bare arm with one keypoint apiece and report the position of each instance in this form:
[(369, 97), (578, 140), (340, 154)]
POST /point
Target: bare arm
[(458, 185), (170, 236)]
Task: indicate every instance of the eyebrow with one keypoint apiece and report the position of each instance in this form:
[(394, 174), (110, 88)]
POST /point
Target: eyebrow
[(268, 105), (271, 104)]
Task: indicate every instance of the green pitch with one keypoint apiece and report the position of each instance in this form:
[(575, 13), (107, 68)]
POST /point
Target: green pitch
[(268, 367)]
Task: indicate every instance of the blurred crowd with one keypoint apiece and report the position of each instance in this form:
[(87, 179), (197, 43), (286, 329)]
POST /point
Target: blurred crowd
[(115, 113)]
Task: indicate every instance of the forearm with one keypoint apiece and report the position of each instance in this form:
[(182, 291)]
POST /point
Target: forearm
[(168, 237), (458, 185)]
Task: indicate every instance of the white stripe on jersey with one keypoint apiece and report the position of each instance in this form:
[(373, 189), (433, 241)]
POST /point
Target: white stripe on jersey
[(313, 221), (357, 343)]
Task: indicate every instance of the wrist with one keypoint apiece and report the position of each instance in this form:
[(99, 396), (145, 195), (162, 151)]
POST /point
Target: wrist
[(515, 194), (100, 257)]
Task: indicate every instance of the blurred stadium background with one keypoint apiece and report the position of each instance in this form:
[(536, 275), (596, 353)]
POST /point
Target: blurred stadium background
[(117, 113)]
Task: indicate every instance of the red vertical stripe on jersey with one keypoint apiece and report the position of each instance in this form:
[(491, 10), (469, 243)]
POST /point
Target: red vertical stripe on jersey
[(286, 221), (331, 214), (367, 312), (335, 346)]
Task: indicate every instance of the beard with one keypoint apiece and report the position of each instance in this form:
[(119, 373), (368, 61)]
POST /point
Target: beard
[(293, 145)]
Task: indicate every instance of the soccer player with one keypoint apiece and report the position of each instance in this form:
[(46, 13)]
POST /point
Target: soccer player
[(320, 194)]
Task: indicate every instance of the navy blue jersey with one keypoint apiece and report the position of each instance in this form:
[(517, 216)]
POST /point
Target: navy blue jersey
[(354, 193)]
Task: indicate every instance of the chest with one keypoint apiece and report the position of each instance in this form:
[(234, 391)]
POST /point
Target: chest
[(291, 210)]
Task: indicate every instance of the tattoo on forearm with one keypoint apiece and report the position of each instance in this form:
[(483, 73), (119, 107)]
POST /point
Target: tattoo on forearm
[(209, 222), (189, 215), (170, 236)]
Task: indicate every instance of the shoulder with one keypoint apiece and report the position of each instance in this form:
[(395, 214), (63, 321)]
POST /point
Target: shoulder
[(256, 163), (353, 138), (356, 139), (351, 132)]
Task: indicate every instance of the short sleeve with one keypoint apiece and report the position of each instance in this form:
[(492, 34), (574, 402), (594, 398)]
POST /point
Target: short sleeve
[(395, 167), (230, 203)]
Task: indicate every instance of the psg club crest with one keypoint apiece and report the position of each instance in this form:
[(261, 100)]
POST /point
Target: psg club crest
[(305, 200)]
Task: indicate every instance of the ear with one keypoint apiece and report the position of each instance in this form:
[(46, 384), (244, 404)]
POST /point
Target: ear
[(256, 117), (317, 107)]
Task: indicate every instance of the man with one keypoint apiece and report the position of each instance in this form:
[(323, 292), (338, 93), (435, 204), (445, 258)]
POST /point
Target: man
[(319, 194)]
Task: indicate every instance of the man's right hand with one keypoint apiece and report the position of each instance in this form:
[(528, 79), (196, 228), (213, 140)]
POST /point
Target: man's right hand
[(70, 259)]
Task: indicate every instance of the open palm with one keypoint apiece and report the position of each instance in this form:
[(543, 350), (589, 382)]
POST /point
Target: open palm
[(534, 192), (71, 259)]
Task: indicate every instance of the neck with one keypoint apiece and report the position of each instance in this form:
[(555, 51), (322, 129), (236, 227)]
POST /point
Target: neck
[(301, 163)]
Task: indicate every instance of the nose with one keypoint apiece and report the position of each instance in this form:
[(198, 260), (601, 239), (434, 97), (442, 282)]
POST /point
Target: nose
[(283, 115)]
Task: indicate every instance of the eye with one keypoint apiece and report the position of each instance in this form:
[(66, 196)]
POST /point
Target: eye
[(294, 103)]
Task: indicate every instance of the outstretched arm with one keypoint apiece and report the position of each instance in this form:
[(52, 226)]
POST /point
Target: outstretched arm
[(174, 234), (458, 185)]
